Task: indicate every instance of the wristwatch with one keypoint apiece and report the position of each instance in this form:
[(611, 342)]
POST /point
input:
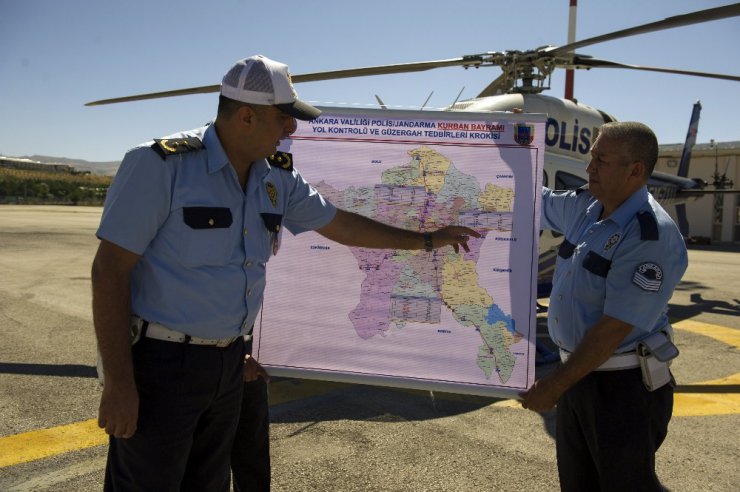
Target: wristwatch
[(428, 246)]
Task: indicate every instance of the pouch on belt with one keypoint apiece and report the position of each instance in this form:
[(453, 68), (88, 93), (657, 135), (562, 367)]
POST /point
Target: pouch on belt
[(655, 354)]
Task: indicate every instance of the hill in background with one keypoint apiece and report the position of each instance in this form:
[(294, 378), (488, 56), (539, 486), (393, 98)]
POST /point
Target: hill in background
[(108, 168)]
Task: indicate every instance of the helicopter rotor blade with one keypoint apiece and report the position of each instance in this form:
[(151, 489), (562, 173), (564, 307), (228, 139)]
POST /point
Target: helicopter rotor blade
[(588, 62), (205, 89), (465, 61), (667, 23)]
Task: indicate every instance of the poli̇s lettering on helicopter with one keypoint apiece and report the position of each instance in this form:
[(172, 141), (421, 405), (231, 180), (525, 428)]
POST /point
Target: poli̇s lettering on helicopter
[(571, 126), (570, 130)]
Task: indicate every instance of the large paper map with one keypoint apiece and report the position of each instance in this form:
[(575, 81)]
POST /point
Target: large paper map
[(461, 322)]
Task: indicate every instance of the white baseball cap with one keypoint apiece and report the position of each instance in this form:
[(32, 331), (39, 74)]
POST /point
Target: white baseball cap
[(259, 80)]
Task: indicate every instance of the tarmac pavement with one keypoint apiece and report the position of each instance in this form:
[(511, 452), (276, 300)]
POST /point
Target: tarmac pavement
[(335, 436)]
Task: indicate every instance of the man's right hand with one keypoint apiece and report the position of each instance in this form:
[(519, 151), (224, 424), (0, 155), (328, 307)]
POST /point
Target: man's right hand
[(119, 409)]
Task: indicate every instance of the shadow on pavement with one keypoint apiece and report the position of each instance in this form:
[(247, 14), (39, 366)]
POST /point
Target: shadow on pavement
[(64, 370), (699, 305)]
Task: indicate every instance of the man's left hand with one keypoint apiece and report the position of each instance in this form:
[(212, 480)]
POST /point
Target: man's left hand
[(541, 397)]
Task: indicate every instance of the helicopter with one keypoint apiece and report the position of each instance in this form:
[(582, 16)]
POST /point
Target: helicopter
[(571, 125)]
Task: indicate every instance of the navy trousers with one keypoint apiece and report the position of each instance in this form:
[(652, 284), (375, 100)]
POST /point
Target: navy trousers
[(608, 430), (250, 454), (190, 397)]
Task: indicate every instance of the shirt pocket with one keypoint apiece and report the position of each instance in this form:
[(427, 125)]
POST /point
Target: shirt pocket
[(272, 233), (206, 235)]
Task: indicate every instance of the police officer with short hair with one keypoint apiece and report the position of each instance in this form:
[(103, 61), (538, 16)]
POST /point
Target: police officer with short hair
[(621, 258), (188, 226)]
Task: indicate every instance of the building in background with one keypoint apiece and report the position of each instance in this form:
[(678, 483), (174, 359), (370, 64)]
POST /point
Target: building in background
[(716, 216), (31, 165)]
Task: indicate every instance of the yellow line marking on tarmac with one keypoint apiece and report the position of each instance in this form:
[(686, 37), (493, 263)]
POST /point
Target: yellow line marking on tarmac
[(730, 336), (34, 445), (43, 443), (508, 404), (689, 404), (701, 404), (38, 444)]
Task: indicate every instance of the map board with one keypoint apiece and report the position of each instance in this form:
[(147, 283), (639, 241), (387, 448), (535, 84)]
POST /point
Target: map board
[(455, 322)]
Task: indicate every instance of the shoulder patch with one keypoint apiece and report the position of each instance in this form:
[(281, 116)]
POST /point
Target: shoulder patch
[(283, 160), (169, 146), (648, 226), (648, 276)]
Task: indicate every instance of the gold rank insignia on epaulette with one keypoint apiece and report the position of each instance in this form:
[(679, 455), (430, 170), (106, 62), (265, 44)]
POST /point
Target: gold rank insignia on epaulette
[(169, 146), (283, 160)]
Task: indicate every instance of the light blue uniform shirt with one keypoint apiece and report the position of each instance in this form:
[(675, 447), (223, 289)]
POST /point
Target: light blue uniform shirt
[(203, 242), (604, 267)]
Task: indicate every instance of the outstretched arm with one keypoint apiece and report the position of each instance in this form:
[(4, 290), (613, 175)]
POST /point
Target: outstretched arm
[(352, 229)]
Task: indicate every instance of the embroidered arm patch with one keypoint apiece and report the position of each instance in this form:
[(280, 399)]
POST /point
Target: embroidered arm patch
[(648, 276)]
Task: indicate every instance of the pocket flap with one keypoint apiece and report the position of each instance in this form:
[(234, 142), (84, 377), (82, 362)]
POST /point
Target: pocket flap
[(272, 221), (597, 264), (207, 217)]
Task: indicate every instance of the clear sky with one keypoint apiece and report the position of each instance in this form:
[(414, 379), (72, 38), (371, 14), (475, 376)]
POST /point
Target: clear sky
[(56, 55)]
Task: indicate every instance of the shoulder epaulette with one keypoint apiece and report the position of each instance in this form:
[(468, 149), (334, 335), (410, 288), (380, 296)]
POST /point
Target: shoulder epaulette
[(283, 160), (170, 146), (648, 226)]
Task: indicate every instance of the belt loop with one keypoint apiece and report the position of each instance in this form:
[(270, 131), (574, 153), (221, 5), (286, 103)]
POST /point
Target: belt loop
[(187, 339), (144, 326)]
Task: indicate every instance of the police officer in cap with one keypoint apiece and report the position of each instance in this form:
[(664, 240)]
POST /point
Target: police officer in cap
[(621, 258), (188, 226)]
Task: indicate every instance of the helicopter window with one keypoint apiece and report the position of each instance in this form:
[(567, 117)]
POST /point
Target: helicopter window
[(568, 181), (544, 178)]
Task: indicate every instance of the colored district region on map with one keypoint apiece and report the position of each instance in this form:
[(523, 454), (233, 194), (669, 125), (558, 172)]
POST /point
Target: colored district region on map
[(400, 286)]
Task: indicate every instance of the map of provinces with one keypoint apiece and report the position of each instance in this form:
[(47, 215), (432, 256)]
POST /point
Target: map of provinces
[(403, 286)]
